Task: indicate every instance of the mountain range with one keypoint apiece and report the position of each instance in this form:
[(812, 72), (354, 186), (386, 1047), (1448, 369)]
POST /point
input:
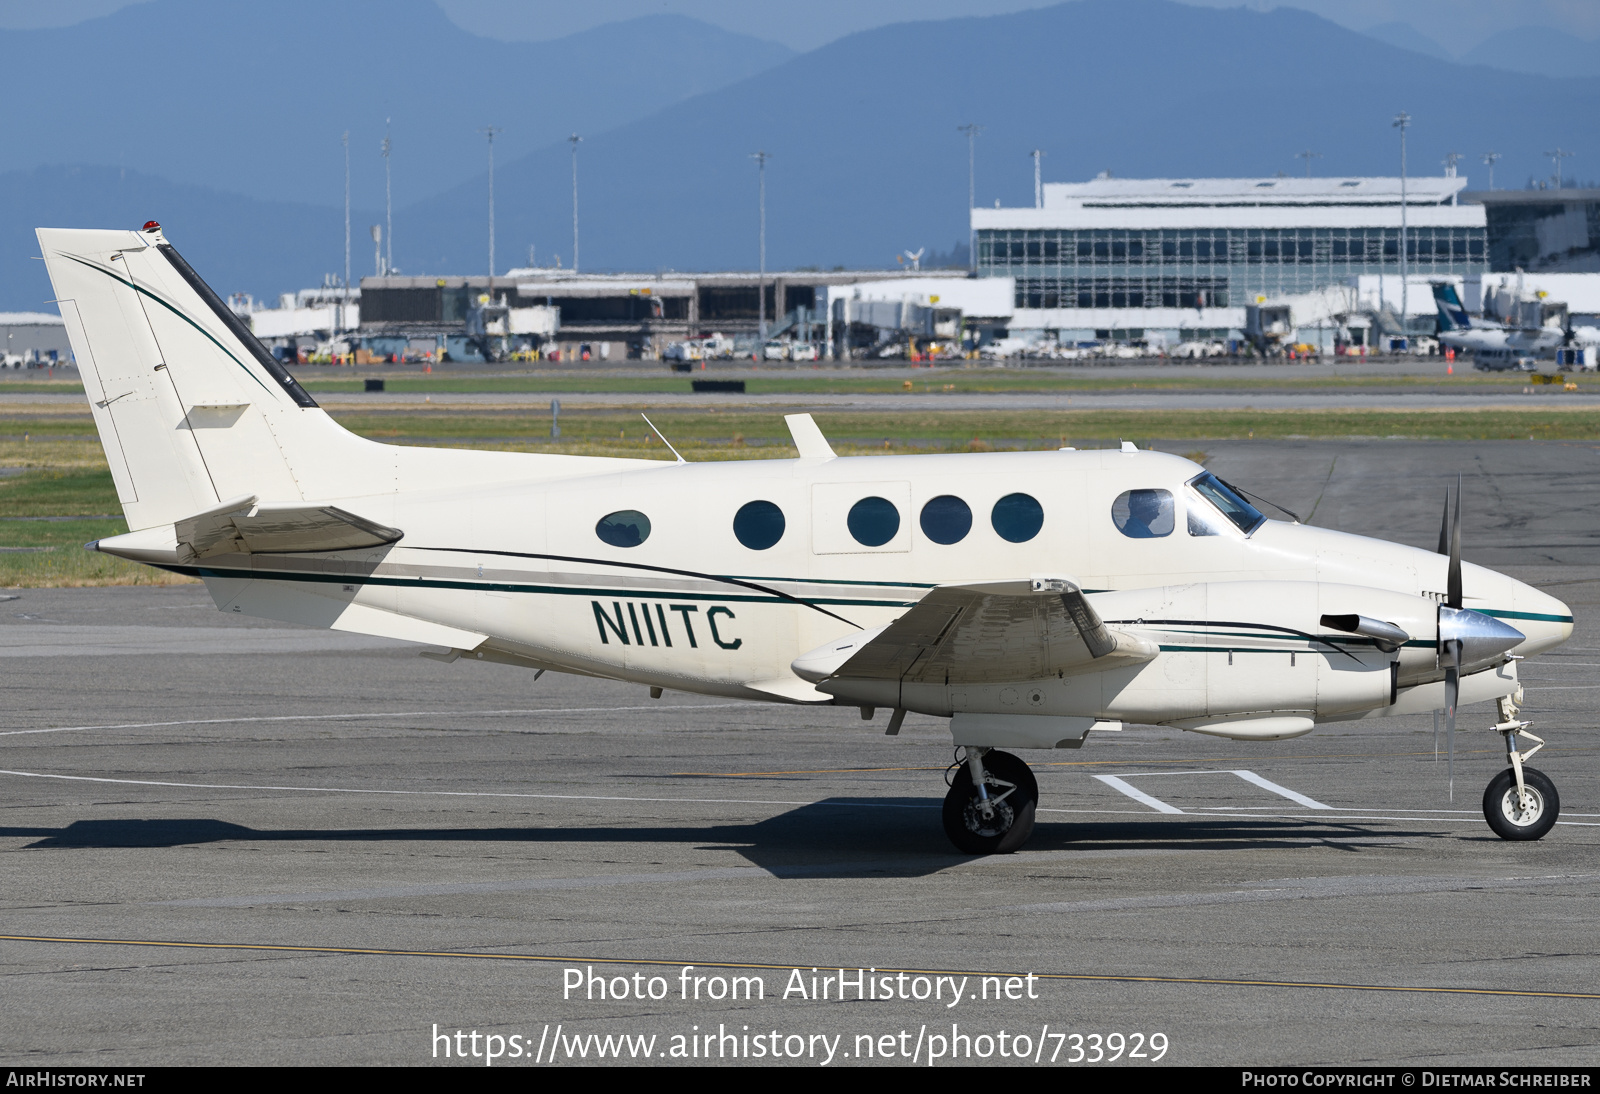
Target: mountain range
[(865, 156)]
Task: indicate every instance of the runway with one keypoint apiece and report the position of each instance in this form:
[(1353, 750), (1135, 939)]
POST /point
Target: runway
[(232, 841)]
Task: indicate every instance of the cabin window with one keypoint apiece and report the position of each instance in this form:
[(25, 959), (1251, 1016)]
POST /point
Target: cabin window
[(625, 528), (873, 521), (946, 519), (1143, 514), (1017, 517), (758, 525), (1227, 500)]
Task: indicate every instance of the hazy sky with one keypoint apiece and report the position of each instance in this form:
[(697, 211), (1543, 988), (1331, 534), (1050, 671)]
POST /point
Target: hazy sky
[(1458, 25)]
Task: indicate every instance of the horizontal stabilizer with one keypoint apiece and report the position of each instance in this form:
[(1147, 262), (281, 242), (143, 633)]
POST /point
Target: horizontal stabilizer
[(331, 607), (300, 527), (241, 525), (983, 633)]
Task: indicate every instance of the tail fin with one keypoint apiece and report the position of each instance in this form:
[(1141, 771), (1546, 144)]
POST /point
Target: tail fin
[(182, 393), (193, 411), (1452, 316)]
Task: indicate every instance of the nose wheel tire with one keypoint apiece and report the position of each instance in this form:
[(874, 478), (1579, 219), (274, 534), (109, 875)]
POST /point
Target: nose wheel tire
[(1007, 823), (1507, 815)]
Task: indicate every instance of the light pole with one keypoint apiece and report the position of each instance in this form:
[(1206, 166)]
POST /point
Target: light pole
[(345, 140), (1308, 156), (1488, 160), (490, 131), (388, 203), (1402, 122), (1556, 156), (971, 130), (573, 140), (761, 282), (1038, 183)]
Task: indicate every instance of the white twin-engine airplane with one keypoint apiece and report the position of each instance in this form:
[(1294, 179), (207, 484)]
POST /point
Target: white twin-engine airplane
[(1029, 597)]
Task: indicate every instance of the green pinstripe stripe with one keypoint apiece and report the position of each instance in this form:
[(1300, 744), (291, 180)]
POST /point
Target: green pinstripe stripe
[(1537, 616), (501, 587)]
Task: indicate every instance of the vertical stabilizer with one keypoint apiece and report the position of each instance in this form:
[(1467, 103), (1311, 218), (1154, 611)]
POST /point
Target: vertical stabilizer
[(1452, 316), (183, 395), (193, 410)]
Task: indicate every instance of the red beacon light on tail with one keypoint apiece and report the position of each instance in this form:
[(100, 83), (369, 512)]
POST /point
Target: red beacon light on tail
[(151, 226)]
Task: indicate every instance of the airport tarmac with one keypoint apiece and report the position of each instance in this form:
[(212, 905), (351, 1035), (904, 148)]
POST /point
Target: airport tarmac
[(234, 841)]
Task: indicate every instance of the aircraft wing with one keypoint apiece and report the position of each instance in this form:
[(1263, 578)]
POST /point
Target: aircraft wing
[(984, 633)]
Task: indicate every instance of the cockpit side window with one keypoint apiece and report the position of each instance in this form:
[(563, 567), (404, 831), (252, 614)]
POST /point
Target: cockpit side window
[(1202, 521), (1246, 517), (1143, 514)]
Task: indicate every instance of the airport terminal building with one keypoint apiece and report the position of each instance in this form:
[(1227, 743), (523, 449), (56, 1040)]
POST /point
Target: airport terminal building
[(1128, 258)]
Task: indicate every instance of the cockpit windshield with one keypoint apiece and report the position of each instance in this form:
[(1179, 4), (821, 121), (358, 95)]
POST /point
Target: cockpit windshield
[(1244, 515)]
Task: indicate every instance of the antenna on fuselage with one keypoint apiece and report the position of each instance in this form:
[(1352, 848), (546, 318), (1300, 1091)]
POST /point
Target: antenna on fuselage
[(663, 437)]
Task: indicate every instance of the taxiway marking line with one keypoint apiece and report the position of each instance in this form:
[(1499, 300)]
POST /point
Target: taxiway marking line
[(1136, 794), (1281, 791), (1103, 763), (1247, 776), (1116, 978), (385, 714), (461, 793), (1336, 813), (1351, 814)]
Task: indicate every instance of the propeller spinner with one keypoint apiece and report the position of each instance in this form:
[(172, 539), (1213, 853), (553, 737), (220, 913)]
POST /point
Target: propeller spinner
[(1468, 640)]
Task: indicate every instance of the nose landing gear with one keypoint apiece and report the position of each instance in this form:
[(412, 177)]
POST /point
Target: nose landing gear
[(991, 804), (1521, 802)]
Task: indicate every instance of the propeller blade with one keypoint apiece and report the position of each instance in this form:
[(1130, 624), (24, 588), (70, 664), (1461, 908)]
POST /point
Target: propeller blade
[(1444, 525), (1453, 585), (1452, 691)]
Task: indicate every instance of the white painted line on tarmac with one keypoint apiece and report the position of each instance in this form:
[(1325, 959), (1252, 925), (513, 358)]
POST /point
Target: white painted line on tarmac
[(1353, 815), (1117, 783), (385, 714), (1137, 795), (465, 793), (1281, 791)]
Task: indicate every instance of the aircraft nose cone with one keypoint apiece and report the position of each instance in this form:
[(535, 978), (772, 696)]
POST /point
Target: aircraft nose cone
[(1484, 639)]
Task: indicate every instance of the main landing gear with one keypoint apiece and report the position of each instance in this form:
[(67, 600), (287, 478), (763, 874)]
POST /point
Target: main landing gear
[(1521, 802), (990, 807)]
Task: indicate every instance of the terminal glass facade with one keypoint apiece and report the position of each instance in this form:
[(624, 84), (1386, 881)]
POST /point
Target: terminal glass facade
[(1212, 267)]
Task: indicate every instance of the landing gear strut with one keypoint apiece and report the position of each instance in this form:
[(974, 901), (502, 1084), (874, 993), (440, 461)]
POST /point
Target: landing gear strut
[(1521, 802), (990, 807)]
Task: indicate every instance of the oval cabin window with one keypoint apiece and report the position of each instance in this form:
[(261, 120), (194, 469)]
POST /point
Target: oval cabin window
[(1017, 517), (946, 519), (626, 528), (873, 521), (758, 525)]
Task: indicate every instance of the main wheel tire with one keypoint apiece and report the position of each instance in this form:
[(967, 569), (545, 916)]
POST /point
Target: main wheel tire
[(1011, 822), (1504, 812)]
